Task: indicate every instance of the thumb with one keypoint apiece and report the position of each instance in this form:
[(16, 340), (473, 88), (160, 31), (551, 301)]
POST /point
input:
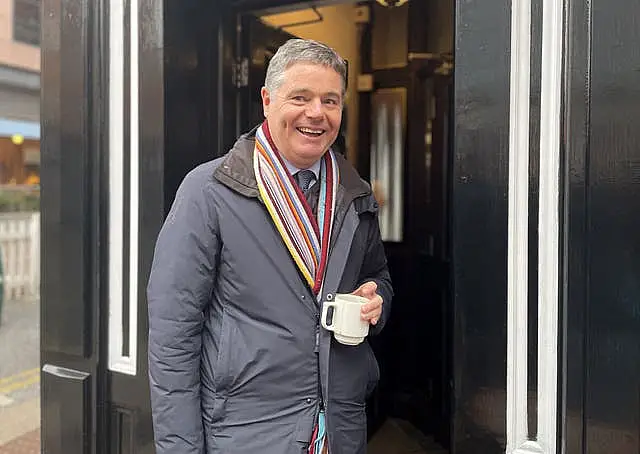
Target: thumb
[(368, 290)]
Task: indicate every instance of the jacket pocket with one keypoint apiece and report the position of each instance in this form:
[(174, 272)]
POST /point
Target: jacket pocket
[(304, 429), (213, 412), (352, 372), (374, 371), (221, 373), (350, 433)]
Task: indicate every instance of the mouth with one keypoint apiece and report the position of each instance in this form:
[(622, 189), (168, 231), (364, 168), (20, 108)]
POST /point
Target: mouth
[(310, 132)]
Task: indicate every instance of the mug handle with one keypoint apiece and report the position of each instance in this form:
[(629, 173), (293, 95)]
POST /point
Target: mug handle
[(325, 312)]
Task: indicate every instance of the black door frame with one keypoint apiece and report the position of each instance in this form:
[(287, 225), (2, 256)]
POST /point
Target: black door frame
[(77, 389)]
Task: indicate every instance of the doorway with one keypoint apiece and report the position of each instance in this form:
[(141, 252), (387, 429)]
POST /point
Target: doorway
[(396, 132), (180, 57)]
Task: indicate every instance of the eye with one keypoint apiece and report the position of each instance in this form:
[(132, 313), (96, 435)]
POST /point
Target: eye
[(331, 101), (299, 98)]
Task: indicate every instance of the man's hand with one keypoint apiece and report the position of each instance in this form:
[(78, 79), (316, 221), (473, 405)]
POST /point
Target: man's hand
[(372, 310)]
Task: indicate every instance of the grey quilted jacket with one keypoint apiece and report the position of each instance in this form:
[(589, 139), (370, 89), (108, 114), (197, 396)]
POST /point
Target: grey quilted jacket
[(235, 364)]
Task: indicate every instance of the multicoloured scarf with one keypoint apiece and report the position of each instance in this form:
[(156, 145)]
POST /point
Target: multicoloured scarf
[(317, 445), (306, 237)]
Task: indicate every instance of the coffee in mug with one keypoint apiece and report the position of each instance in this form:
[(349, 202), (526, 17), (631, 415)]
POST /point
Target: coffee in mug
[(347, 324)]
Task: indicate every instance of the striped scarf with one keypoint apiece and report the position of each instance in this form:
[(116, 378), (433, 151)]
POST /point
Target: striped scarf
[(318, 438), (306, 237)]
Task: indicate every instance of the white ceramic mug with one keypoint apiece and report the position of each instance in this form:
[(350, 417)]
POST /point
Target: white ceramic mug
[(347, 324)]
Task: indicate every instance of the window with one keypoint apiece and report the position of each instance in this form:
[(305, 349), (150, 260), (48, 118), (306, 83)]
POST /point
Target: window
[(26, 21), (389, 107)]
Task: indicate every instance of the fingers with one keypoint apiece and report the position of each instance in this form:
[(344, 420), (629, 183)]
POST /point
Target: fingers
[(374, 304), (372, 310)]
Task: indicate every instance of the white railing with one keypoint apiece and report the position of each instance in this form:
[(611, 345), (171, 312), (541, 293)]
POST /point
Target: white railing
[(20, 248)]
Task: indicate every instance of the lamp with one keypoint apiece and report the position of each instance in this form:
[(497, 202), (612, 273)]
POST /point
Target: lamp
[(391, 3), (17, 139)]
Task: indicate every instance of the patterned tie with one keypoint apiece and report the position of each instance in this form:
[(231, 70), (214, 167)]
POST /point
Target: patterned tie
[(305, 179)]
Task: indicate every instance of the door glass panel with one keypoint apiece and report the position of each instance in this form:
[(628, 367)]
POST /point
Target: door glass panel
[(20, 283), (430, 116), (387, 158), (390, 37)]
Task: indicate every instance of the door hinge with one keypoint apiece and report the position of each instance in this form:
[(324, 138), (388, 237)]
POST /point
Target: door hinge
[(241, 73)]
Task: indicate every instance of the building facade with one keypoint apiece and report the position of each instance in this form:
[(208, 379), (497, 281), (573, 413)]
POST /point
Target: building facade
[(19, 92)]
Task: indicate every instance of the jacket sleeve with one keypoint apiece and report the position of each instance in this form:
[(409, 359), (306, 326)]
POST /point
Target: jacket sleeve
[(178, 291), (374, 268)]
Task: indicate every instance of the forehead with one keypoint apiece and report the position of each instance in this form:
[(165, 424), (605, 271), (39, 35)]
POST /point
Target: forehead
[(313, 77)]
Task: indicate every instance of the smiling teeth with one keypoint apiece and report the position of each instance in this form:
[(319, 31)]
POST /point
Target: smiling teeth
[(311, 131)]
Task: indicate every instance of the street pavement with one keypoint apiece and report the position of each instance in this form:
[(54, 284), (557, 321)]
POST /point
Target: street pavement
[(20, 378)]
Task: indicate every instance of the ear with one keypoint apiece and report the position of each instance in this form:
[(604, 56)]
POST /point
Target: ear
[(266, 101)]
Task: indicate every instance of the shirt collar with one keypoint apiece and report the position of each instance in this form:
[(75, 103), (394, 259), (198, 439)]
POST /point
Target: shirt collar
[(315, 168)]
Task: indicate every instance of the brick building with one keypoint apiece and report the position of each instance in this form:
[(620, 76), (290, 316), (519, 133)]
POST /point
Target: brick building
[(19, 91)]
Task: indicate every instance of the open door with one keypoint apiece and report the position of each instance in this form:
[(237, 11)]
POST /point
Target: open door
[(408, 169), (404, 151), (257, 42)]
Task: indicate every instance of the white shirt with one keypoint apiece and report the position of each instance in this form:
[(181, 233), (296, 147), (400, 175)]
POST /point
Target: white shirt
[(315, 168)]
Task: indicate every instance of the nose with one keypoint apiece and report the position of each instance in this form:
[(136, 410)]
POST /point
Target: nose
[(314, 108)]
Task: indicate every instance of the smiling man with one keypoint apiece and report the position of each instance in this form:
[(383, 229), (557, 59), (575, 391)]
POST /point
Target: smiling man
[(303, 107), (254, 243)]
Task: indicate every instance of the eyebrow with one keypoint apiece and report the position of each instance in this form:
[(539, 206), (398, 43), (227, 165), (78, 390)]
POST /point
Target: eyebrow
[(308, 90)]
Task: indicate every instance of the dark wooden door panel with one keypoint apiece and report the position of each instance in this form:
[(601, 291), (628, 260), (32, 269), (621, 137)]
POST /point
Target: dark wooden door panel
[(70, 300)]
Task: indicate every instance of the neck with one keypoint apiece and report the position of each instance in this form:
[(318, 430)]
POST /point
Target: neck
[(299, 164)]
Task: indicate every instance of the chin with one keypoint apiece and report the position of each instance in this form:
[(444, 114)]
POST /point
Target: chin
[(309, 151), (314, 152)]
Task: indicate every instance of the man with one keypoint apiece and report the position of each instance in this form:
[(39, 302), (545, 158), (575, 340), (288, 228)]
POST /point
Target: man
[(254, 243)]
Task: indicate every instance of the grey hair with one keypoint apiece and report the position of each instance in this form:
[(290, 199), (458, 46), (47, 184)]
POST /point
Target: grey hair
[(303, 51)]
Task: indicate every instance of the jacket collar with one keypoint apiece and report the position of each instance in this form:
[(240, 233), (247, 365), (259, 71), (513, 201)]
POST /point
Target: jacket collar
[(236, 171)]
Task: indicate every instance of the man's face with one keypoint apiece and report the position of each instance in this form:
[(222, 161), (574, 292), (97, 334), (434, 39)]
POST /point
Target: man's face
[(304, 113)]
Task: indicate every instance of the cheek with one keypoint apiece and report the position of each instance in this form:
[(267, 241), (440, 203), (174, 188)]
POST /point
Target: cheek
[(334, 119), (287, 120)]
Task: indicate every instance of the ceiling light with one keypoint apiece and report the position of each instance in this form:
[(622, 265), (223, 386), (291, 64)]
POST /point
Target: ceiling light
[(392, 3)]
